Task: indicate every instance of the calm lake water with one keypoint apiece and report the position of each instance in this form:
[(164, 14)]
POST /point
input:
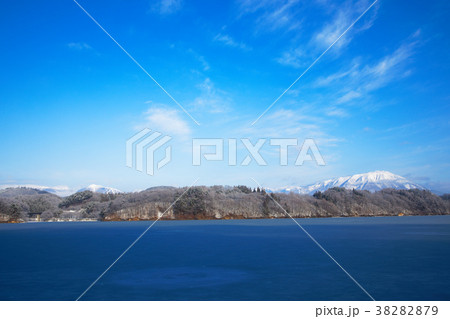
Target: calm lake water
[(393, 258)]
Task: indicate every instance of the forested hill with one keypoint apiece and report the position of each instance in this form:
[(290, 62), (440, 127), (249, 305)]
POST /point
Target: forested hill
[(216, 202)]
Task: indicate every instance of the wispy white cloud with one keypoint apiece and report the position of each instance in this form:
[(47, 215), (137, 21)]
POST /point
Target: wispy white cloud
[(205, 64), (272, 15), (349, 96), (298, 124), (166, 7), (359, 80), (288, 123), (343, 17), (211, 99), (337, 94), (389, 67), (229, 41), (160, 117), (336, 112), (294, 57), (325, 81), (200, 58), (79, 46)]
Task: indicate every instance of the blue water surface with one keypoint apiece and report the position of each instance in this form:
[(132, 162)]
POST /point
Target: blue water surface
[(393, 258)]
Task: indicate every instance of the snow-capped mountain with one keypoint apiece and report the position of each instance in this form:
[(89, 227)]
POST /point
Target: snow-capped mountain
[(372, 181), (100, 189), (57, 190)]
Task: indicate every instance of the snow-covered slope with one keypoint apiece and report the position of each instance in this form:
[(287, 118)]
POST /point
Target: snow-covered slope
[(57, 190), (100, 189), (372, 181)]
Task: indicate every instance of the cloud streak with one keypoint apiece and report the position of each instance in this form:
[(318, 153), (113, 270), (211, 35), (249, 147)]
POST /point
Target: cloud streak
[(337, 29), (272, 15), (166, 7), (227, 40), (211, 99), (344, 16), (359, 81), (200, 58), (79, 46)]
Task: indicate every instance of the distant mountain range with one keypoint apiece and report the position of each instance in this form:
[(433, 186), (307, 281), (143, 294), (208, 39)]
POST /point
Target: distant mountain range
[(372, 181), (63, 191), (56, 190)]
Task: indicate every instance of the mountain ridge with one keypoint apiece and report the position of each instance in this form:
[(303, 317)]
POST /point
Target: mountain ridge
[(60, 191), (371, 181), (100, 189)]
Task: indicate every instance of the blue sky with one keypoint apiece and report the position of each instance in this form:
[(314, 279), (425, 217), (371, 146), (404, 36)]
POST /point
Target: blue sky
[(70, 97)]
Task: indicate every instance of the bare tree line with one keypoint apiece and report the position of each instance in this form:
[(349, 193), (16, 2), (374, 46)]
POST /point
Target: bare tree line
[(215, 202)]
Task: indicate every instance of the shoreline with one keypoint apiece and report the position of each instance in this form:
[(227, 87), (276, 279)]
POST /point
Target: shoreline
[(213, 219)]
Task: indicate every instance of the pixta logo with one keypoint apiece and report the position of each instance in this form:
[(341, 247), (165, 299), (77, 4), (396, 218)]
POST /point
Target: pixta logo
[(142, 151), (201, 150), (141, 148)]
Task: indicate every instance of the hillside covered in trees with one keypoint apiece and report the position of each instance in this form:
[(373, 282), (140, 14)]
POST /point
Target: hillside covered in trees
[(216, 202)]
